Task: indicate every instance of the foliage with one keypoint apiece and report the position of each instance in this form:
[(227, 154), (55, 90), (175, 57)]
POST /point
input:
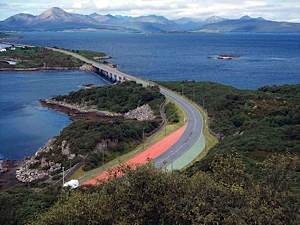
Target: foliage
[(151, 196), (89, 54), (171, 113), (19, 205), (38, 57), (117, 98), (256, 124), (100, 142), (266, 120)]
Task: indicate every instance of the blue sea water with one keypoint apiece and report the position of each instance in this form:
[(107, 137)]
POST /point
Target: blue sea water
[(24, 124), (264, 59)]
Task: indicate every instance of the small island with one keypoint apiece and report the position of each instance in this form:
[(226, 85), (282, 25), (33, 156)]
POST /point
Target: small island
[(224, 57)]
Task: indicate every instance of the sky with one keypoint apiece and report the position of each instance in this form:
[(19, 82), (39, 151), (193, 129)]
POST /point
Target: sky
[(280, 10)]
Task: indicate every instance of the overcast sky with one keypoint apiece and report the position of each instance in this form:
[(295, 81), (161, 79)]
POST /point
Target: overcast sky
[(281, 10)]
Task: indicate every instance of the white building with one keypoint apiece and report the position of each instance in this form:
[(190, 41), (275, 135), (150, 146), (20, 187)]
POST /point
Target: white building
[(3, 50)]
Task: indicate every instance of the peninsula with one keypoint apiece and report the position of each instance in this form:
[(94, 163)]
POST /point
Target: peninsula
[(30, 58)]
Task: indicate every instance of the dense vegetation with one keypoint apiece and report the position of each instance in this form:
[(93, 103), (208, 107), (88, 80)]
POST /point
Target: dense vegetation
[(90, 54), (100, 142), (226, 195), (256, 124), (37, 57), (117, 98), (248, 178), (20, 205), (171, 113)]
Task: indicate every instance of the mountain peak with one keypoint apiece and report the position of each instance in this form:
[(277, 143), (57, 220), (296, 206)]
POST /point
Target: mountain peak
[(53, 13), (214, 19), (153, 19), (246, 18), (252, 18)]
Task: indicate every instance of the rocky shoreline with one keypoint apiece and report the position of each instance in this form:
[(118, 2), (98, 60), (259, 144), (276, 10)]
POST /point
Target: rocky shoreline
[(39, 168), (73, 109), (141, 113), (8, 173)]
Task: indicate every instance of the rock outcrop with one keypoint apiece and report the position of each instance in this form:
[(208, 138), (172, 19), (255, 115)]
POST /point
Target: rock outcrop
[(142, 113), (38, 167)]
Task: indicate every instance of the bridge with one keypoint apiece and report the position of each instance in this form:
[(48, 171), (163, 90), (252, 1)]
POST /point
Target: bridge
[(191, 143)]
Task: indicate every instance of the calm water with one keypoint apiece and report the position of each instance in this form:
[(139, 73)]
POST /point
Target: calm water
[(24, 124), (264, 59)]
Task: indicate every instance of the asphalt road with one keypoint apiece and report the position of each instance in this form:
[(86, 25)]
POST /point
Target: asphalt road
[(192, 141), (191, 135)]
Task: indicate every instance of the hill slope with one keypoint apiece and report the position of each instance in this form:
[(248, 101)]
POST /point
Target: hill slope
[(248, 24)]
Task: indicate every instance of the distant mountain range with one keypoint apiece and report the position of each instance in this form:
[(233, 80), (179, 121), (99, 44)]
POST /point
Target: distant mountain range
[(56, 19)]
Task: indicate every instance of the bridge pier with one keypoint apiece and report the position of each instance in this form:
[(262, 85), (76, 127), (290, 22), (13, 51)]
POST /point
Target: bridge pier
[(114, 78)]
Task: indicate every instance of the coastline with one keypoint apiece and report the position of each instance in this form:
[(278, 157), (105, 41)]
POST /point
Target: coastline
[(76, 112), (8, 175), (39, 69)]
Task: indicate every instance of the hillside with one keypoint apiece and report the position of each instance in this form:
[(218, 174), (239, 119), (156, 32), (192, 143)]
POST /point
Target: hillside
[(226, 196), (248, 178), (255, 124), (92, 141), (248, 24)]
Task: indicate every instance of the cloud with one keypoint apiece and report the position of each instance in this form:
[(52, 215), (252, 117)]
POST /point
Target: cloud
[(271, 9)]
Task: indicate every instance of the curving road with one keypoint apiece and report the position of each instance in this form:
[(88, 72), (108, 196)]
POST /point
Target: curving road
[(191, 143)]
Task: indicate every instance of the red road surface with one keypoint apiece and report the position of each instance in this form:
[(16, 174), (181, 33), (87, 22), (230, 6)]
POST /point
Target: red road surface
[(142, 158)]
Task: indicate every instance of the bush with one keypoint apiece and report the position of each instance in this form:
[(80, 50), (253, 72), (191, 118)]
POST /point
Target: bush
[(151, 196), (171, 113)]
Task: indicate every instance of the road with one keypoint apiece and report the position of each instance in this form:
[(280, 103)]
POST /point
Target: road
[(191, 143), (189, 139)]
